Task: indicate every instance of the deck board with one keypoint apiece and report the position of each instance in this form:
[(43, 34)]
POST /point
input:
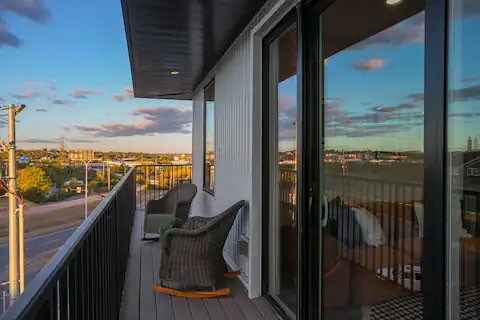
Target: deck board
[(215, 309), (244, 303), (131, 293), (164, 301), (148, 306), (198, 309), (140, 301)]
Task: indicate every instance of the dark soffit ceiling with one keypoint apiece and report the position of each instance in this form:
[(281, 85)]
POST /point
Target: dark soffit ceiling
[(188, 36)]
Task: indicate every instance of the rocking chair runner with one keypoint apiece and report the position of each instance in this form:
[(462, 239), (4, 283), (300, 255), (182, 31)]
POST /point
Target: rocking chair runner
[(192, 257)]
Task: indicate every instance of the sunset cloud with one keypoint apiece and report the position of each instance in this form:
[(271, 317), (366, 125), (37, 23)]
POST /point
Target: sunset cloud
[(34, 10), (62, 102), (55, 141), (369, 64), (83, 94), (40, 85), (468, 79), (8, 38), (30, 94), (398, 107), (419, 96), (286, 100), (159, 119), (126, 94), (466, 94)]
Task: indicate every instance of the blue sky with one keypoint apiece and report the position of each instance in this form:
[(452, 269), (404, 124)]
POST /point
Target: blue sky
[(68, 62), (371, 108), (374, 89)]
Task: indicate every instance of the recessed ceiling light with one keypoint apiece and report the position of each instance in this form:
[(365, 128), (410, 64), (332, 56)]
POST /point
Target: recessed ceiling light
[(393, 2), (174, 72)]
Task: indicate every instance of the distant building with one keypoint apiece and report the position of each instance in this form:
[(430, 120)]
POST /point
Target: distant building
[(469, 144), (472, 168)]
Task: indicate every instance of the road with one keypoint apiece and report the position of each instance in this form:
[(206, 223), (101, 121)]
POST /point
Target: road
[(51, 206), (34, 247)]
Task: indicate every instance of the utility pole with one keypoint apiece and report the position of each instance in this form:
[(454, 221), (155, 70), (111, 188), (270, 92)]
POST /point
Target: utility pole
[(15, 224)]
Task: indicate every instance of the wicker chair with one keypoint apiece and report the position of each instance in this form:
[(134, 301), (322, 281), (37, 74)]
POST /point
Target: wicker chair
[(192, 256), (174, 204)]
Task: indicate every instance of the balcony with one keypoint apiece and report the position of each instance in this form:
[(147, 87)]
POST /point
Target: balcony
[(104, 271)]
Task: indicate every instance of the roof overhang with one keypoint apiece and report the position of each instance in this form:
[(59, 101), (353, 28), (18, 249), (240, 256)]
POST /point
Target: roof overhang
[(184, 36)]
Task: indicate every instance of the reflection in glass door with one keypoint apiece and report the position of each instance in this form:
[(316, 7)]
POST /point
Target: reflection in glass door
[(372, 159), (282, 154), (463, 156)]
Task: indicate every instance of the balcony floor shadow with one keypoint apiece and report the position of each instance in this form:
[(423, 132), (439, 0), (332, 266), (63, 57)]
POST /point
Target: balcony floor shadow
[(140, 301)]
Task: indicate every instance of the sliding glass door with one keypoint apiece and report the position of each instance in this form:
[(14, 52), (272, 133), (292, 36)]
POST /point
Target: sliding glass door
[(374, 144), (463, 157), (281, 172), (372, 159)]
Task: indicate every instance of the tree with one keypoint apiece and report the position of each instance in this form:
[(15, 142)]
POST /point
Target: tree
[(33, 182)]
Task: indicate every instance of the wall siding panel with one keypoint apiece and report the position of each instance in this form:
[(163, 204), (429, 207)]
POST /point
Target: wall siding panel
[(235, 161), (232, 149)]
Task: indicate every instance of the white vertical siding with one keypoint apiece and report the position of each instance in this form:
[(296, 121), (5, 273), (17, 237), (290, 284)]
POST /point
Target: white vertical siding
[(232, 148), (238, 146)]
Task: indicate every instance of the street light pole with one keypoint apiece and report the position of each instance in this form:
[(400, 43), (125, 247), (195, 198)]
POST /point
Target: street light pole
[(86, 163), (108, 176), (86, 188)]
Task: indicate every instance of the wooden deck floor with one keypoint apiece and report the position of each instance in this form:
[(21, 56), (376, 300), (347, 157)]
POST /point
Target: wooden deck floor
[(140, 301)]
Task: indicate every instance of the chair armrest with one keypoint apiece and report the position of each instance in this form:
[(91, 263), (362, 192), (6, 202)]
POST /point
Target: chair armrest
[(179, 233)]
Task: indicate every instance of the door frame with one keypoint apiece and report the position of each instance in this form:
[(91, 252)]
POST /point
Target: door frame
[(435, 257), (290, 18)]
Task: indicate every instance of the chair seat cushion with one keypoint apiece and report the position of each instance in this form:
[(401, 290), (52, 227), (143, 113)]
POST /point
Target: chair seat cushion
[(153, 222)]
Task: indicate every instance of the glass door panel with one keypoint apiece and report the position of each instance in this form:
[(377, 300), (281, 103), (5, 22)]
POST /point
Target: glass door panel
[(463, 131), (372, 90), (283, 257)]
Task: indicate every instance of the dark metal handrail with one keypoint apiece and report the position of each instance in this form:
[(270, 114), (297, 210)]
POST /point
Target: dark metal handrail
[(153, 180), (84, 279)]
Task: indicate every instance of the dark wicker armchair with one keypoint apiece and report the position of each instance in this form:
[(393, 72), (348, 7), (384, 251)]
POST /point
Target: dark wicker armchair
[(192, 256), (174, 204)]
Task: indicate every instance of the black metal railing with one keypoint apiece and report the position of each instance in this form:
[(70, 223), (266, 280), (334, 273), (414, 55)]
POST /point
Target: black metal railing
[(399, 258), (470, 246), (85, 278), (153, 180), (4, 300)]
